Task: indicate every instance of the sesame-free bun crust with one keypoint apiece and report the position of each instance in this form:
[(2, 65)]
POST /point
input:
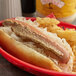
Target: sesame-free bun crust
[(25, 53)]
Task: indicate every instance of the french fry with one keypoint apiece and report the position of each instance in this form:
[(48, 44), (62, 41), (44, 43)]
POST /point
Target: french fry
[(74, 51), (51, 25), (46, 22), (69, 35)]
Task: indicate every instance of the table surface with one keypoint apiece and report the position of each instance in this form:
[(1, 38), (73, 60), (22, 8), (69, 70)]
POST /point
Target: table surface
[(7, 69)]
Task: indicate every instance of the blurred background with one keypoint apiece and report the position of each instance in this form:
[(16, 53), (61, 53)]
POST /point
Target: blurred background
[(14, 8), (64, 10)]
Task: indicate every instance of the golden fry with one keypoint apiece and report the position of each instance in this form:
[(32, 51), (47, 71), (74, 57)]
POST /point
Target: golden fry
[(74, 51), (51, 25), (46, 22), (69, 35)]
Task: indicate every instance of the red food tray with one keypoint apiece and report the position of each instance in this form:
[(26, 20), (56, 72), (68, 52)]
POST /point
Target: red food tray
[(29, 67)]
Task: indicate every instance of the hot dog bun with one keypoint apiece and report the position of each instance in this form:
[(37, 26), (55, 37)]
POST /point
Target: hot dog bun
[(36, 46)]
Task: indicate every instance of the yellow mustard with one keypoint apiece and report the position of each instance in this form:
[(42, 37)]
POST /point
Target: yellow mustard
[(68, 9)]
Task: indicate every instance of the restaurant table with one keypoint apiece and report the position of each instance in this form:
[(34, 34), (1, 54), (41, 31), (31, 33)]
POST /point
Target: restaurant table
[(8, 69)]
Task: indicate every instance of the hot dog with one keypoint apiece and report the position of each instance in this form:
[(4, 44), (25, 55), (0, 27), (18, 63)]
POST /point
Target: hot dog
[(35, 45)]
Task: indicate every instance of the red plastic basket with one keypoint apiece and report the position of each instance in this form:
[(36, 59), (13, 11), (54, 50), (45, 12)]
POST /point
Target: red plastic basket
[(29, 67)]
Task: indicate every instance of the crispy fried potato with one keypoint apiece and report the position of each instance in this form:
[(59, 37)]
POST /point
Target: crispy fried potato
[(69, 35), (74, 51), (51, 25), (46, 22)]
